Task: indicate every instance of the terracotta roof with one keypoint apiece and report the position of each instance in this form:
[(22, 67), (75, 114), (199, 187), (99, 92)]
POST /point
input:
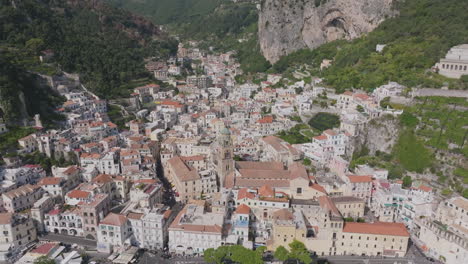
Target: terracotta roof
[(318, 187), (244, 193), (283, 214), (114, 220), (50, 181), (71, 170), (102, 179), (330, 132), (266, 120), (321, 137), (264, 174), (360, 179), (182, 171), (243, 209), (328, 205), (425, 188), (377, 228), (257, 183), (298, 170), (273, 165), (266, 191), (136, 216), (192, 158), (44, 249), (78, 194)]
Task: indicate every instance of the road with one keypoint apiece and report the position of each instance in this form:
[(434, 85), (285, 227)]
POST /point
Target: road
[(149, 258), (88, 243), (375, 260)]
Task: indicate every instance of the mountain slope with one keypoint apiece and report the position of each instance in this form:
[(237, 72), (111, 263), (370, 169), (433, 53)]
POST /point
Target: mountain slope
[(416, 39), (104, 44), (286, 26), (169, 11)]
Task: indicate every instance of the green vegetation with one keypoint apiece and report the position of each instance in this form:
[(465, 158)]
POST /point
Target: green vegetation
[(442, 122), (307, 162), (294, 135), (416, 39), (462, 173), (44, 260), (407, 182), (411, 152), (297, 252), (169, 11), (16, 80), (46, 162), (323, 121), (9, 140), (409, 120), (234, 254), (103, 44), (115, 115)]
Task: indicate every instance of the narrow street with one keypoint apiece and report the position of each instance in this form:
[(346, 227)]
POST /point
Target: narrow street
[(89, 244)]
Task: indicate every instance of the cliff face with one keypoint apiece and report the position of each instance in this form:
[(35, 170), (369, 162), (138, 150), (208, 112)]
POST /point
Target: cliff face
[(380, 134), (286, 26)]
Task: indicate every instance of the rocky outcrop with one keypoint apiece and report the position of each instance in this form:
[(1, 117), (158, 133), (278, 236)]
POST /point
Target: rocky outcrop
[(380, 134), (286, 26)]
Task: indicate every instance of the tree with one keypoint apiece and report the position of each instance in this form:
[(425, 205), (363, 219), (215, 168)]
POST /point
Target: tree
[(360, 109), (235, 253), (281, 253), (299, 252), (323, 121), (34, 45), (306, 162), (407, 181), (44, 260), (385, 102), (409, 120)]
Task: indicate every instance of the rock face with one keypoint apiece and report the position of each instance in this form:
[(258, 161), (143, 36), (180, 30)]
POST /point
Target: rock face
[(380, 134), (288, 25)]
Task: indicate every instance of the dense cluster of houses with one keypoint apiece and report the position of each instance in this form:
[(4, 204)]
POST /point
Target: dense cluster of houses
[(213, 148)]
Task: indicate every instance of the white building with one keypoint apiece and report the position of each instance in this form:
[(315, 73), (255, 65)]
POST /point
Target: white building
[(150, 227), (455, 63), (194, 230), (113, 232)]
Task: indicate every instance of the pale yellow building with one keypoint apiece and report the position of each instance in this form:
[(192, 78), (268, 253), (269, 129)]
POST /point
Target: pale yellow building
[(374, 239), (350, 206), (287, 227)]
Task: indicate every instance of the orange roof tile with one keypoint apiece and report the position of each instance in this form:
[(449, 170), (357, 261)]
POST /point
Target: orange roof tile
[(242, 209), (360, 179), (78, 194), (244, 193), (266, 191), (377, 228), (50, 181), (114, 220)]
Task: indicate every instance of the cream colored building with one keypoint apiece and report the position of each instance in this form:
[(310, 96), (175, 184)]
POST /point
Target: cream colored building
[(448, 244), (113, 232), (287, 227), (453, 211), (350, 206), (194, 230), (445, 235), (189, 183), (455, 63), (21, 198), (17, 231)]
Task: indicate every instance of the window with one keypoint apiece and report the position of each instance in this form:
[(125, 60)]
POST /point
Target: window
[(299, 190)]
